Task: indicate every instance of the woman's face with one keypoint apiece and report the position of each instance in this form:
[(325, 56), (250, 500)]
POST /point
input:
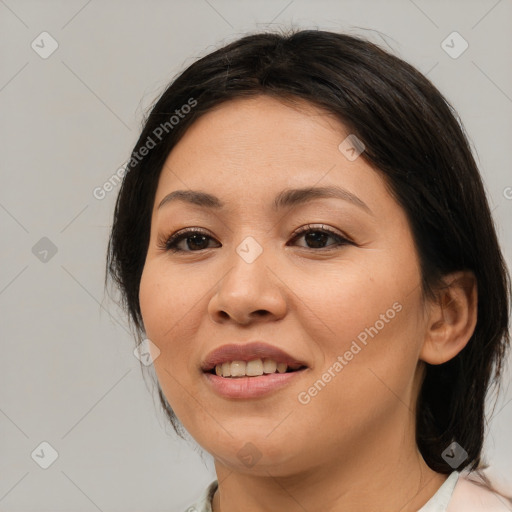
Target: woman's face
[(350, 311)]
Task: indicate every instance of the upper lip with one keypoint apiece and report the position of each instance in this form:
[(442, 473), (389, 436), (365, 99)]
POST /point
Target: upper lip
[(248, 352)]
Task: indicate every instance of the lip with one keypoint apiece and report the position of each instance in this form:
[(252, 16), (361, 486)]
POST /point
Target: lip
[(251, 387), (248, 352)]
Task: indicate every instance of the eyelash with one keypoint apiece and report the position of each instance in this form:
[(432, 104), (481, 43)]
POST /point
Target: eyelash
[(170, 243)]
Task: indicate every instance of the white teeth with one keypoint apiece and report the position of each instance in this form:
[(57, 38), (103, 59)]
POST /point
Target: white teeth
[(238, 368), (269, 366), (253, 368), (281, 367), (225, 369)]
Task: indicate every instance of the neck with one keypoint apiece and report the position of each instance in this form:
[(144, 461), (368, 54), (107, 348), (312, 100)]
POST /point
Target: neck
[(385, 471)]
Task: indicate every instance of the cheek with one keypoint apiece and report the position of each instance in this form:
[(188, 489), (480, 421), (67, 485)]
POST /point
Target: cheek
[(345, 302), (167, 311), (367, 329), (374, 359), (166, 307), (152, 296), (164, 297)]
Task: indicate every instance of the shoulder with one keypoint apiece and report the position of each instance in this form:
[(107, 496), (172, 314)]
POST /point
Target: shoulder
[(204, 503), (471, 495)]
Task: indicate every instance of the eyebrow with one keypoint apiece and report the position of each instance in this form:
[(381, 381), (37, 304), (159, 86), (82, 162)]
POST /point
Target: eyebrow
[(285, 199)]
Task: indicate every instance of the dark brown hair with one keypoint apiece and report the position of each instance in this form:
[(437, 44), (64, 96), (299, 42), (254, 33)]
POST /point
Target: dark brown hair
[(412, 137)]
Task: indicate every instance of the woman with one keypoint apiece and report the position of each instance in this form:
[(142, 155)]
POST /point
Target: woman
[(304, 239)]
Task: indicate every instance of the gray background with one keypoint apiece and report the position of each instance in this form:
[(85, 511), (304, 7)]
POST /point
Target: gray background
[(68, 122)]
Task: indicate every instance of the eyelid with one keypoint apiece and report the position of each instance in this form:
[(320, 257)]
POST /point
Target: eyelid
[(168, 243), (163, 240), (343, 238), (320, 227)]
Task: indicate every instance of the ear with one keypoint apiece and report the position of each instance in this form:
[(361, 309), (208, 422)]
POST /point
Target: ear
[(451, 319)]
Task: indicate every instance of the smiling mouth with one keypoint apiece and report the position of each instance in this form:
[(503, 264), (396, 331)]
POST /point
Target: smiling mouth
[(253, 368)]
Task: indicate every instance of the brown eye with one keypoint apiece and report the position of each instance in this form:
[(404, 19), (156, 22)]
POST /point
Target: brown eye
[(316, 237), (194, 240)]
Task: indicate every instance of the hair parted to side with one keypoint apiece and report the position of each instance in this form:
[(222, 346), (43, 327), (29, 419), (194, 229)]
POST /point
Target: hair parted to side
[(412, 137)]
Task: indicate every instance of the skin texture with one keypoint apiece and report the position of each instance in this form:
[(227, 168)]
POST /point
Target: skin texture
[(352, 446)]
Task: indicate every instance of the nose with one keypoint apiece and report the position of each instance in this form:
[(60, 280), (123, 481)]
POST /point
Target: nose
[(248, 292)]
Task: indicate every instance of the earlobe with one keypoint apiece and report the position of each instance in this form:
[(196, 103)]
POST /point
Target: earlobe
[(452, 318)]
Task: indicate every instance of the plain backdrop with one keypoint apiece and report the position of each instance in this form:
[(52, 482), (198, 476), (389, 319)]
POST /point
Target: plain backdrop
[(76, 77)]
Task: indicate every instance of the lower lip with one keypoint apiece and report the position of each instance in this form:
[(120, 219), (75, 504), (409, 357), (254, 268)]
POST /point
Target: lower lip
[(250, 387)]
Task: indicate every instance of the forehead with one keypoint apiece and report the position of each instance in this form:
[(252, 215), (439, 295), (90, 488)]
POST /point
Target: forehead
[(260, 129), (250, 149)]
